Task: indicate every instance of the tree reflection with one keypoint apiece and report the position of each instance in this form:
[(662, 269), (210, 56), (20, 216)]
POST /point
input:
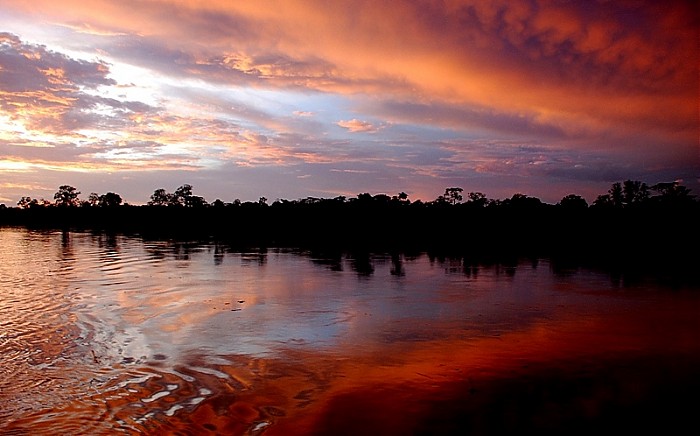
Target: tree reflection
[(361, 263), (258, 256), (332, 260), (219, 253), (66, 246), (177, 250), (182, 251), (107, 241), (397, 266)]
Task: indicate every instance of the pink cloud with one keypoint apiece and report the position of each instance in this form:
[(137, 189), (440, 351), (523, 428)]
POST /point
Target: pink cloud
[(357, 126), (614, 80)]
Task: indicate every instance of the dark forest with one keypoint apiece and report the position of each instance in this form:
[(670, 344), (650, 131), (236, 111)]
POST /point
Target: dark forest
[(632, 226)]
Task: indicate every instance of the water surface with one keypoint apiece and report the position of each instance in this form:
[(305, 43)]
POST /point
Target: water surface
[(110, 334)]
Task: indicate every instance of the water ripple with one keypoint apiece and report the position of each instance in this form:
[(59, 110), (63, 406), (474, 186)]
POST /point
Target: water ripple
[(105, 334)]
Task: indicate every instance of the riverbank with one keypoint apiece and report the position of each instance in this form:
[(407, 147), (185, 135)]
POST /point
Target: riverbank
[(649, 241)]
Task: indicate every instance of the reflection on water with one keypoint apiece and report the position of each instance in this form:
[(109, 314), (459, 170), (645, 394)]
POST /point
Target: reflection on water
[(105, 334)]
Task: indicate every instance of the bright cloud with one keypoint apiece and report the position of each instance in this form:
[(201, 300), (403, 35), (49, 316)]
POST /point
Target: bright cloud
[(262, 98), (356, 125)]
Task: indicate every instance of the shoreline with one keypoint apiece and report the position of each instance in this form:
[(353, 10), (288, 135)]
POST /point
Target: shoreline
[(637, 242)]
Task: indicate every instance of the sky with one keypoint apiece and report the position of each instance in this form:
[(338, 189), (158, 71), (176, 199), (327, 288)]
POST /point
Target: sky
[(290, 99)]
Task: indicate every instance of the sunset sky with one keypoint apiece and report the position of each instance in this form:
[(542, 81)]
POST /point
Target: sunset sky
[(288, 99)]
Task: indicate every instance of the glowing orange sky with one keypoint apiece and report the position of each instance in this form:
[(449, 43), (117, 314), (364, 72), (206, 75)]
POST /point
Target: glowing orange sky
[(294, 98)]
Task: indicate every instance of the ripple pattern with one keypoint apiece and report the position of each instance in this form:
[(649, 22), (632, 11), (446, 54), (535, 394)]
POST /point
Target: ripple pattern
[(89, 339), (111, 334)]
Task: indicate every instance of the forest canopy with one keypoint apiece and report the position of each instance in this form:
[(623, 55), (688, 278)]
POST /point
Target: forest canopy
[(630, 193), (632, 226)]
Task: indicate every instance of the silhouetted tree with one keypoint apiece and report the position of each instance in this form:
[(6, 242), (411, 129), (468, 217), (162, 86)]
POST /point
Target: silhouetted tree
[(603, 201), (66, 196), (616, 195), (573, 202), (93, 199), (401, 198), (453, 195), (672, 193), (25, 202), (195, 201), (160, 198), (364, 197), (28, 202), (477, 199), (634, 192), (181, 195), (382, 199), (522, 201), (614, 198), (110, 199), (307, 200)]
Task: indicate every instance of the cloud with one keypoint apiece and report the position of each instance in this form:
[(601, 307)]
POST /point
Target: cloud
[(547, 60), (51, 92), (466, 117), (357, 126), (592, 90), (27, 66)]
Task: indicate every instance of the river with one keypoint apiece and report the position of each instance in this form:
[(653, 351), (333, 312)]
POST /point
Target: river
[(113, 334)]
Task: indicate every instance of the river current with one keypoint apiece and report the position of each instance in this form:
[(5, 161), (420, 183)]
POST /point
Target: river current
[(113, 334)]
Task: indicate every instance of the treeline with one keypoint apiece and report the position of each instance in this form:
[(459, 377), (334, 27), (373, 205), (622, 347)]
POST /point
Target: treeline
[(630, 193), (632, 224)]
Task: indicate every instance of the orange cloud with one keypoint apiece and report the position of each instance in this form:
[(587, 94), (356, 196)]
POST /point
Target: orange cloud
[(572, 76), (567, 64), (356, 126)]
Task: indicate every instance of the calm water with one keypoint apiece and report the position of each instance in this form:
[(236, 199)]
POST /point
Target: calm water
[(113, 335)]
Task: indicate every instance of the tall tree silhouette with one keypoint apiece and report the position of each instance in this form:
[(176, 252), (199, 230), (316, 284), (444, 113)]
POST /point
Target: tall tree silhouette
[(672, 193), (110, 199), (66, 196), (573, 202), (634, 192), (160, 197), (453, 195)]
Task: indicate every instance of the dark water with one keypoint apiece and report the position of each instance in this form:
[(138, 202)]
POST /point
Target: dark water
[(113, 335)]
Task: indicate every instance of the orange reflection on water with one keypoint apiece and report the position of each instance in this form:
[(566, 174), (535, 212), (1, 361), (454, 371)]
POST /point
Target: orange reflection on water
[(591, 371), (111, 340)]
